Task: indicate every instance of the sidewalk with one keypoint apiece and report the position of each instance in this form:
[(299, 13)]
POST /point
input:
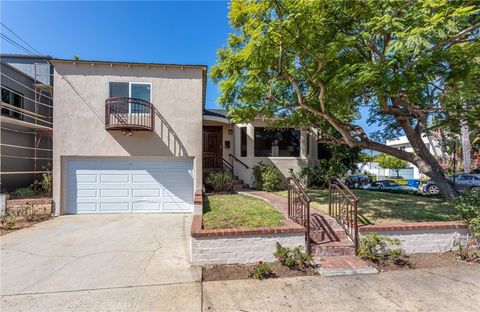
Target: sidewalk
[(441, 289)]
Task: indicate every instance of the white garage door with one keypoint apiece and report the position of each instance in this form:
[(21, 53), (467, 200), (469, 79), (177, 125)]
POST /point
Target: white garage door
[(128, 186)]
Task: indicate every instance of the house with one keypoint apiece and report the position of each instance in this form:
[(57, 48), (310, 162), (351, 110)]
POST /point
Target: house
[(402, 143), (26, 119), (136, 137)]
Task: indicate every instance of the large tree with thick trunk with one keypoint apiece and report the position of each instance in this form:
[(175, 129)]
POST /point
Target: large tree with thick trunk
[(317, 63)]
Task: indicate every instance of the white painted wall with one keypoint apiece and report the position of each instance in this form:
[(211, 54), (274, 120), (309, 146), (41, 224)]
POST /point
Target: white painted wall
[(427, 241), (240, 249)]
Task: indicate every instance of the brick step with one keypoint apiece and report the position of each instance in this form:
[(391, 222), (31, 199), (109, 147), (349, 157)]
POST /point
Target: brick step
[(320, 236), (343, 247)]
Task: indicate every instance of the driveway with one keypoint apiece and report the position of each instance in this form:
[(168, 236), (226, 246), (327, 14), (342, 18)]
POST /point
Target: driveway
[(101, 263)]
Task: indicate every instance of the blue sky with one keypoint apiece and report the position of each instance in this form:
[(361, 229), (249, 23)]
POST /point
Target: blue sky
[(185, 32)]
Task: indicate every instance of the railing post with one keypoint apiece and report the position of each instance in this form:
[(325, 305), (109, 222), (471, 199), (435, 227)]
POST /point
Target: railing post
[(329, 197), (289, 190), (355, 224)]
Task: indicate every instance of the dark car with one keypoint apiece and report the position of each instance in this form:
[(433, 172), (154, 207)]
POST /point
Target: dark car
[(390, 185), (463, 182), (358, 181)]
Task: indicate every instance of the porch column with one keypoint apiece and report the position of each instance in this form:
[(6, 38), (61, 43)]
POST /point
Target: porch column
[(250, 140)]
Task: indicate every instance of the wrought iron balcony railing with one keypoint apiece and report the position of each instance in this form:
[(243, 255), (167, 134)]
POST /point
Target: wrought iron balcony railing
[(123, 113)]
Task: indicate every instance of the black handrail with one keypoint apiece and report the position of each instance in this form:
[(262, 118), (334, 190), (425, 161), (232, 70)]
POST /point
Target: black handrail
[(299, 207), (241, 162)]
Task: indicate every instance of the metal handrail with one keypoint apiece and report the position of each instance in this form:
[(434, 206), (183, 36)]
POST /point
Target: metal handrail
[(343, 206), (225, 163), (299, 207), (241, 162), (128, 113)]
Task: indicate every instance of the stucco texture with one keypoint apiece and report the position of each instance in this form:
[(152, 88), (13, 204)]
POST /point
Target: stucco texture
[(79, 116)]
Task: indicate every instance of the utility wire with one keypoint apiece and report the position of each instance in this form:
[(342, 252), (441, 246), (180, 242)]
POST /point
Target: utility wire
[(15, 44), (24, 85), (20, 38), (25, 97)]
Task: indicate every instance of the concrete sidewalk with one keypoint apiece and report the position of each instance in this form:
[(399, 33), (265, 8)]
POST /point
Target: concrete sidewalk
[(441, 289)]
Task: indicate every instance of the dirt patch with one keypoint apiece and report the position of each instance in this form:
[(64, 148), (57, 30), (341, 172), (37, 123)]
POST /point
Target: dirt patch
[(42, 213), (242, 271), (424, 261)]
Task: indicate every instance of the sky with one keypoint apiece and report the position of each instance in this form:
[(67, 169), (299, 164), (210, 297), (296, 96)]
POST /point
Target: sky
[(182, 32)]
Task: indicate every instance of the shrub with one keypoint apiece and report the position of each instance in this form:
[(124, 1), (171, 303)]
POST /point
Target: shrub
[(9, 220), (468, 208), (28, 213), (262, 271), (220, 181), (46, 183), (379, 249), (465, 251), (266, 177), (25, 192), (292, 258)]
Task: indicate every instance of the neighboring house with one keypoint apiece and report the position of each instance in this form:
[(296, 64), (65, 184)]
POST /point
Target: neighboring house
[(412, 171), (26, 119), (136, 137)]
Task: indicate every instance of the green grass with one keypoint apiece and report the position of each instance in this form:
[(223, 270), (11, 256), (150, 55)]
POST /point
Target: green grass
[(381, 207), (232, 211)]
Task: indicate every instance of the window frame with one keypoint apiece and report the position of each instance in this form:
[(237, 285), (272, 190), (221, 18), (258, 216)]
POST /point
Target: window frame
[(283, 157), (11, 113), (130, 92)]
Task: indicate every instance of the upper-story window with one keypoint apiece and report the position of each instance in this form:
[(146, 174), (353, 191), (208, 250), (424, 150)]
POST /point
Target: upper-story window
[(14, 99), (276, 143), (136, 90)]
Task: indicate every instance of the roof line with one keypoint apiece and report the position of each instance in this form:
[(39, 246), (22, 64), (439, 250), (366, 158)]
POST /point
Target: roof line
[(58, 60)]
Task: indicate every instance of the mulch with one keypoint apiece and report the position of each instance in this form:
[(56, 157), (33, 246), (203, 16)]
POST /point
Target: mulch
[(242, 271)]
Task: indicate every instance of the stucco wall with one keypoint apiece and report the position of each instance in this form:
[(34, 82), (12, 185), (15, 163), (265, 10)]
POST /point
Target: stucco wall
[(79, 116), (241, 249), (284, 164)]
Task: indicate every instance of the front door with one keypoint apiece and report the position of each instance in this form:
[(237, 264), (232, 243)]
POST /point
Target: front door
[(212, 140), (212, 149)]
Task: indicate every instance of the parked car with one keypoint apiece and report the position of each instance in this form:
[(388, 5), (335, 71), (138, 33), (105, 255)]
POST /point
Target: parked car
[(358, 181), (390, 185), (463, 182)]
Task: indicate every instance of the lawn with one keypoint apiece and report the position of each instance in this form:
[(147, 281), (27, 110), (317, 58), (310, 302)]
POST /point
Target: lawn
[(232, 211), (381, 207)]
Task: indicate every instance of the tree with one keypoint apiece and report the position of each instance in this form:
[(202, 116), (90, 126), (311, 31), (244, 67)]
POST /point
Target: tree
[(390, 162), (315, 63)]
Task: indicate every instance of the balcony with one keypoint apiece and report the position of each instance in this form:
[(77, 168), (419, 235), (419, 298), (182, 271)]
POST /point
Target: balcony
[(129, 114)]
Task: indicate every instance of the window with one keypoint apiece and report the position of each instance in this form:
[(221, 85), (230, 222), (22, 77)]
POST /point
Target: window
[(308, 144), (14, 99), (243, 141), (136, 90), (466, 178), (277, 143)]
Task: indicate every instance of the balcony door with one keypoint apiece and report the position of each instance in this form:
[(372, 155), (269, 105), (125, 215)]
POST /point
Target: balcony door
[(137, 90)]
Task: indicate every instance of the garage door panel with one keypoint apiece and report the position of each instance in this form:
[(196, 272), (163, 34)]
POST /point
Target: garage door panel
[(83, 207), (147, 206), (114, 178), (114, 207), (133, 185), (117, 193), (146, 193)]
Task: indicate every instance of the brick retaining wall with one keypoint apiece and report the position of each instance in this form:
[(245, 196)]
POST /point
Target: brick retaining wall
[(420, 237), (241, 245)]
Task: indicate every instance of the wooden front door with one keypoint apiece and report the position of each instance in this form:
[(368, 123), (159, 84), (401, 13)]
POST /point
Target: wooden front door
[(212, 150), (212, 140)]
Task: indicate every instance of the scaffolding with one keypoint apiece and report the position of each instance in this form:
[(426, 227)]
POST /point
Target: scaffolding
[(41, 125)]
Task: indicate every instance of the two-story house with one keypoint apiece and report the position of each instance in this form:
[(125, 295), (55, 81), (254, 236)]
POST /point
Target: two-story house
[(136, 137)]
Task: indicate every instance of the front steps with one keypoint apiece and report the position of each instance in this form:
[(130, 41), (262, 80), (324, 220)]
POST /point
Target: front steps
[(328, 238), (239, 185)]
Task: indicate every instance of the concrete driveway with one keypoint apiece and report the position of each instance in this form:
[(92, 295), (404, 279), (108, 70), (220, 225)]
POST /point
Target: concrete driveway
[(101, 263)]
